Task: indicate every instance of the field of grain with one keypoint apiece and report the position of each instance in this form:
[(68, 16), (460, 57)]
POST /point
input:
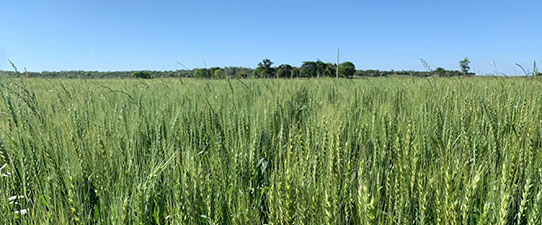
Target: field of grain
[(270, 151)]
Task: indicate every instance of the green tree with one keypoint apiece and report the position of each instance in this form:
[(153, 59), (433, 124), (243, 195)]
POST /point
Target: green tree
[(347, 69), (212, 71), (283, 71), (219, 74), (308, 69), (441, 72), (202, 73), (294, 72), (464, 64), (264, 69), (320, 68), (266, 63), (142, 75), (330, 70)]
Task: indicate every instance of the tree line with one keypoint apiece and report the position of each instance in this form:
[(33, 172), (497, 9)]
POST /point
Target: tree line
[(265, 69)]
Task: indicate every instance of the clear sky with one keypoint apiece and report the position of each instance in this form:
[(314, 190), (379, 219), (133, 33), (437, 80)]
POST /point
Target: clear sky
[(134, 35)]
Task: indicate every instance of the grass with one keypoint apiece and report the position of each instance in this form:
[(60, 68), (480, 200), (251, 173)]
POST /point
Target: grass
[(317, 151)]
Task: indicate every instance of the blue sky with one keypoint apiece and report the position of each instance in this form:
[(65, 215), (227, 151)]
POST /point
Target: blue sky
[(133, 35)]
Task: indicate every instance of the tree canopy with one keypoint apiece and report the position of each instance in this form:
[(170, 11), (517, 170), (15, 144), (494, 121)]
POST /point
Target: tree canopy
[(347, 69), (142, 74), (464, 65), (264, 69)]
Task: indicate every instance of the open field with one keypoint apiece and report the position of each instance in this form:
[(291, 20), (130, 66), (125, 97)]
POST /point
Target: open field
[(271, 151)]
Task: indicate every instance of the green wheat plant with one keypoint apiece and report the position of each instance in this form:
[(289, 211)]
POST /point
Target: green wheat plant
[(271, 151)]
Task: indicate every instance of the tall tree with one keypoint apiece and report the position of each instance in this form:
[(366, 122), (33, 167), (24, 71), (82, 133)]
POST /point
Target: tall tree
[(464, 64), (347, 69), (283, 71), (264, 69), (294, 72), (308, 69), (320, 68), (331, 69), (266, 63)]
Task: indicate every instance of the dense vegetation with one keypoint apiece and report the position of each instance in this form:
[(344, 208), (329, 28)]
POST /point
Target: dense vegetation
[(270, 151), (265, 69)]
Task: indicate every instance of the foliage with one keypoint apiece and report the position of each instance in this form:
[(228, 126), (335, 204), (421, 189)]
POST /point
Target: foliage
[(219, 74), (347, 69), (142, 75), (464, 65), (441, 72), (331, 70), (264, 69), (294, 72), (320, 68), (212, 71), (283, 71), (202, 73), (308, 69)]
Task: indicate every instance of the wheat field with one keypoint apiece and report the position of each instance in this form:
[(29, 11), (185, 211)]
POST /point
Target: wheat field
[(271, 151)]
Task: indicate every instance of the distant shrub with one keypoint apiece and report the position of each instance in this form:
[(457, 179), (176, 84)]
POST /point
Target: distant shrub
[(441, 72), (202, 73), (219, 74), (142, 75)]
